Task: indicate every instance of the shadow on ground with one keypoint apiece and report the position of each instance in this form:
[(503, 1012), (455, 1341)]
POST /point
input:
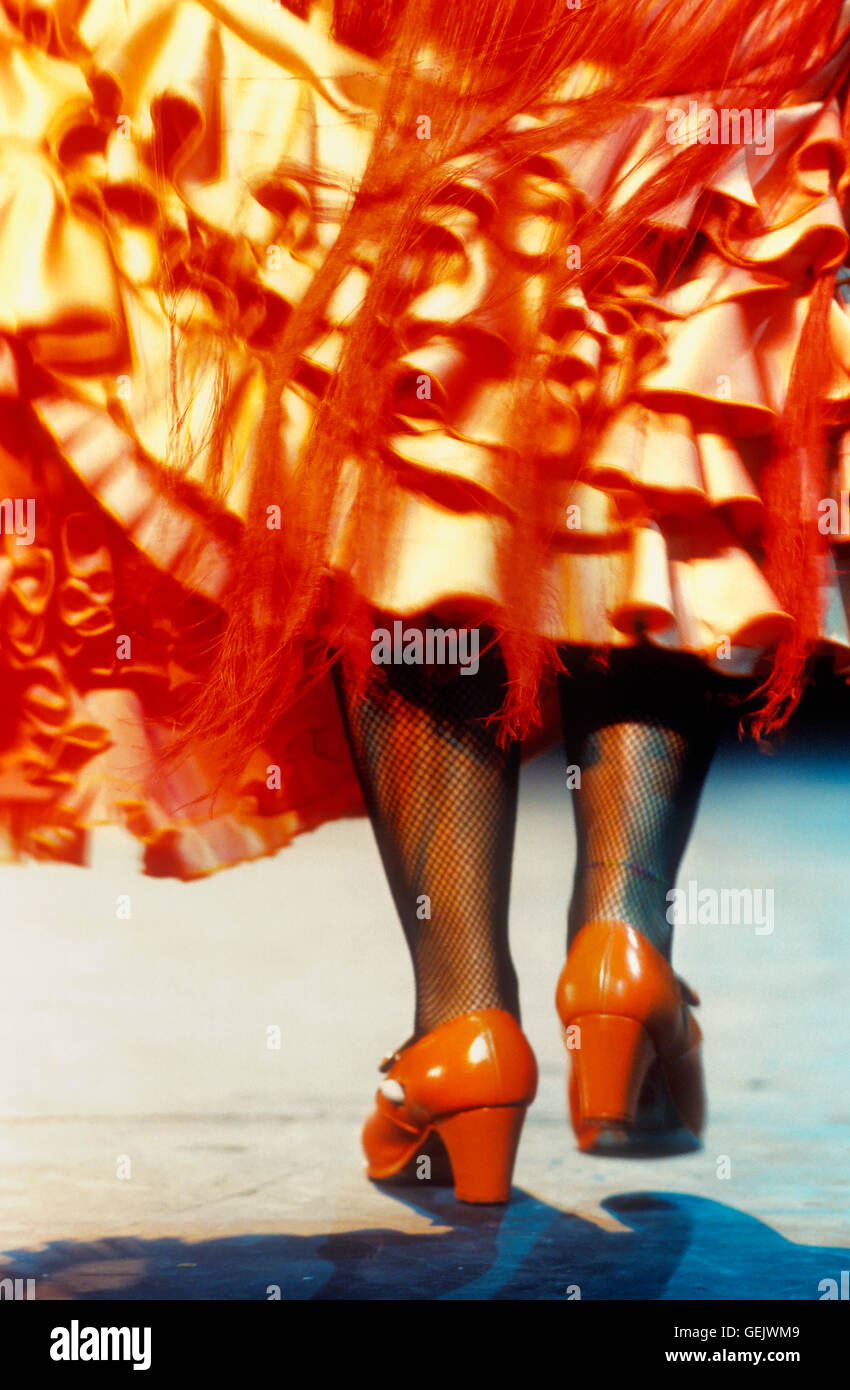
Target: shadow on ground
[(670, 1246)]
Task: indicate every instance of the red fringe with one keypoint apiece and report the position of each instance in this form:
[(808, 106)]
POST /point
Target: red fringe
[(794, 483), (497, 57)]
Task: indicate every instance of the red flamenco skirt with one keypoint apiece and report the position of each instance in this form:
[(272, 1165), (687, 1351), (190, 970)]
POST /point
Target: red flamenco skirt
[(149, 139)]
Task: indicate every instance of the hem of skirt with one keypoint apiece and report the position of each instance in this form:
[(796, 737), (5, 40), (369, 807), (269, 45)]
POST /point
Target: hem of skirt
[(166, 852)]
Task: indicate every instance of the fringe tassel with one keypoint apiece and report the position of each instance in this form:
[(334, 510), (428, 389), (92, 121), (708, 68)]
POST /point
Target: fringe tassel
[(795, 481)]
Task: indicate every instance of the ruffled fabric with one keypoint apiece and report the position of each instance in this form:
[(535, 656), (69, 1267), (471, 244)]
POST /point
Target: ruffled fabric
[(659, 536), (148, 194), (186, 165), (96, 647)]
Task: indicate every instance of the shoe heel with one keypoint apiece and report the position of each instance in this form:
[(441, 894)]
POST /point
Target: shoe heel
[(611, 1062), (482, 1145)]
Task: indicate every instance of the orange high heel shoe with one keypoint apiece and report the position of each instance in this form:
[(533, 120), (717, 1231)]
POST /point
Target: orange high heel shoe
[(628, 1028), (467, 1082)]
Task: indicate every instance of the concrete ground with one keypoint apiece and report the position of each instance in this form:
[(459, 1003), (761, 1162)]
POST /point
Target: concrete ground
[(155, 1145)]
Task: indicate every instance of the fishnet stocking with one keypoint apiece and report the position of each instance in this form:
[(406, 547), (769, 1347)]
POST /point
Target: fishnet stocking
[(442, 801), (642, 734)]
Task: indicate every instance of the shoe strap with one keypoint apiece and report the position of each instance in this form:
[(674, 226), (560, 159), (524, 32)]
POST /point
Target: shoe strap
[(393, 1057)]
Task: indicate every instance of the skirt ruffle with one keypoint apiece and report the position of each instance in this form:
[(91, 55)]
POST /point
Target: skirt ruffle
[(180, 166), (660, 534)]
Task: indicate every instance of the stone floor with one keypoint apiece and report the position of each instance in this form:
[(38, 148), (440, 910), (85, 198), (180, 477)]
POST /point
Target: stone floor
[(155, 1145)]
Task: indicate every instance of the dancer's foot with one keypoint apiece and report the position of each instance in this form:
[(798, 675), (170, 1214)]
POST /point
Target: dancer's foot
[(636, 1082), (459, 1093)]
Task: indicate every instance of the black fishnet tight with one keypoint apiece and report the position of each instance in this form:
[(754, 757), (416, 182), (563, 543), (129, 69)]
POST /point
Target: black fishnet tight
[(642, 734), (442, 800)]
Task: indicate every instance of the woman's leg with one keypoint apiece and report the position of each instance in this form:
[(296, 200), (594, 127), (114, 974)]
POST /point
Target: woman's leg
[(442, 800), (642, 733)]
